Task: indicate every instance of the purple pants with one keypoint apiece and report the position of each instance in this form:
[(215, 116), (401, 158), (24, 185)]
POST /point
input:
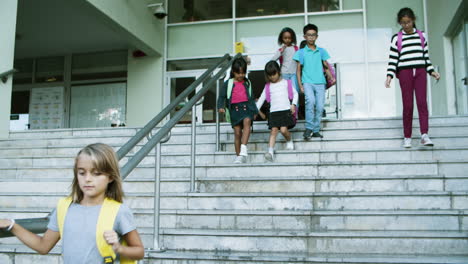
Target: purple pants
[(414, 81)]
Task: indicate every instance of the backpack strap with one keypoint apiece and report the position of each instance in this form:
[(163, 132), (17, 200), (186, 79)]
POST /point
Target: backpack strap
[(422, 38), (399, 41), (296, 48), (106, 220), (267, 92), (62, 209), (281, 57), (230, 85), (290, 91)]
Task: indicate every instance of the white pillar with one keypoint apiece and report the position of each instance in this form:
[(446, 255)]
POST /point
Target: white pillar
[(8, 12)]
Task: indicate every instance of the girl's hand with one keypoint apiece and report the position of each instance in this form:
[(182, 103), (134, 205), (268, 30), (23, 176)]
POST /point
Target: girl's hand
[(262, 115), (5, 223), (293, 109), (388, 81), (221, 110), (112, 238), (436, 75), (301, 88)]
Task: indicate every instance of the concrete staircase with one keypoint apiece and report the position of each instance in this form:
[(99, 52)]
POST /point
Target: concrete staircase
[(354, 196)]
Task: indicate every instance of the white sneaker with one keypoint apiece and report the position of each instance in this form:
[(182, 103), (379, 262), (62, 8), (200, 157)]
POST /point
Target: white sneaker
[(243, 151), (290, 145), (407, 142), (269, 156), (239, 159), (426, 141)]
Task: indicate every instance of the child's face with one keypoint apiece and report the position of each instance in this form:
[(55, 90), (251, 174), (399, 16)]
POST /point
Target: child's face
[(239, 76), (274, 78), (311, 36), (287, 38), (407, 23), (92, 182)]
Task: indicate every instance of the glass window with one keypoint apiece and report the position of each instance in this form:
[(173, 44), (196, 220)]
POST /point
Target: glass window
[(249, 8), (98, 105), (198, 10), (25, 71), (323, 5), (95, 66), (49, 69)]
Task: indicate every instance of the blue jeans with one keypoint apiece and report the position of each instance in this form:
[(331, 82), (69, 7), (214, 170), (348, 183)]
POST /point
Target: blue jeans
[(293, 77), (314, 103)]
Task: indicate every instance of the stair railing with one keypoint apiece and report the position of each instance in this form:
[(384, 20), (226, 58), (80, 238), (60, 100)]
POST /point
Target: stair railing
[(39, 225)]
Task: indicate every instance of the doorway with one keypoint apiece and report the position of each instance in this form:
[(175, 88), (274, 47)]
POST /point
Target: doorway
[(177, 82), (460, 60)]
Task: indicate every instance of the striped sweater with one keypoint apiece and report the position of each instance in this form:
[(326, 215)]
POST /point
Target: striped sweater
[(411, 56)]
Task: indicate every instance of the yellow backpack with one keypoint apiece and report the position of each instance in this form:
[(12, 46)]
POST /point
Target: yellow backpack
[(106, 220)]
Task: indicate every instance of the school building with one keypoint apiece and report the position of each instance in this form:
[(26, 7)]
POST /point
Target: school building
[(96, 63)]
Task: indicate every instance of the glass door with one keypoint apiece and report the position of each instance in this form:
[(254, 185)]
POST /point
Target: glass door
[(177, 82), (460, 54)]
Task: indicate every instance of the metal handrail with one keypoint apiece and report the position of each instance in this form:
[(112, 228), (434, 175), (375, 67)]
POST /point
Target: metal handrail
[(39, 225), (159, 117), (4, 75)]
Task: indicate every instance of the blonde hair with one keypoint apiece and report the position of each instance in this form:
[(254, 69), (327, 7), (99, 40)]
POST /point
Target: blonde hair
[(105, 161)]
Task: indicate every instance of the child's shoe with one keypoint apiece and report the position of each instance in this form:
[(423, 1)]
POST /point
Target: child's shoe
[(426, 141), (269, 156), (317, 134), (407, 142), (307, 134), (239, 159), (243, 151), (290, 145)]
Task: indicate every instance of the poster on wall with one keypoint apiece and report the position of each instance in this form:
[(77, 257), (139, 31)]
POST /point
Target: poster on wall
[(46, 108)]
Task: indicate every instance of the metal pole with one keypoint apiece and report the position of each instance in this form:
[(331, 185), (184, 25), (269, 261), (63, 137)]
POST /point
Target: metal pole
[(157, 196), (192, 150), (217, 118)]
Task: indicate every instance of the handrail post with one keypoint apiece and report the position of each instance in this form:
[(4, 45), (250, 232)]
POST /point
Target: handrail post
[(157, 198), (217, 117), (192, 149)]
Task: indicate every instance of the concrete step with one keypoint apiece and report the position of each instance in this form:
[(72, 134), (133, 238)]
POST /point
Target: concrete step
[(330, 220), (20, 254), (224, 257), (337, 144), (210, 127), (267, 201), (384, 154), (289, 184), (339, 133), (322, 169), (362, 242)]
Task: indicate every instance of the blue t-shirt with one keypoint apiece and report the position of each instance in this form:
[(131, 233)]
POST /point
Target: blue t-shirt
[(311, 60), (79, 232)]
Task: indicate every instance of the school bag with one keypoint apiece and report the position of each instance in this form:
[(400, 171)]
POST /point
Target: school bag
[(106, 220), (330, 66), (230, 85), (296, 48), (290, 96)]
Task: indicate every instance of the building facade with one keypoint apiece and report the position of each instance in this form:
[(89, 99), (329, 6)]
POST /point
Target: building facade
[(91, 63)]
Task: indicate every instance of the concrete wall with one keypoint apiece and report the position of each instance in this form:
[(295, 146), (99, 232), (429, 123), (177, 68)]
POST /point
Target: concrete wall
[(135, 22), (144, 89), (440, 17), (8, 10)]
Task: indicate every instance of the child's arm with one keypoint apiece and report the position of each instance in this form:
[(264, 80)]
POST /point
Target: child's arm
[(261, 100), (222, 98), (133, 250), (41, 244), (299, 76)]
